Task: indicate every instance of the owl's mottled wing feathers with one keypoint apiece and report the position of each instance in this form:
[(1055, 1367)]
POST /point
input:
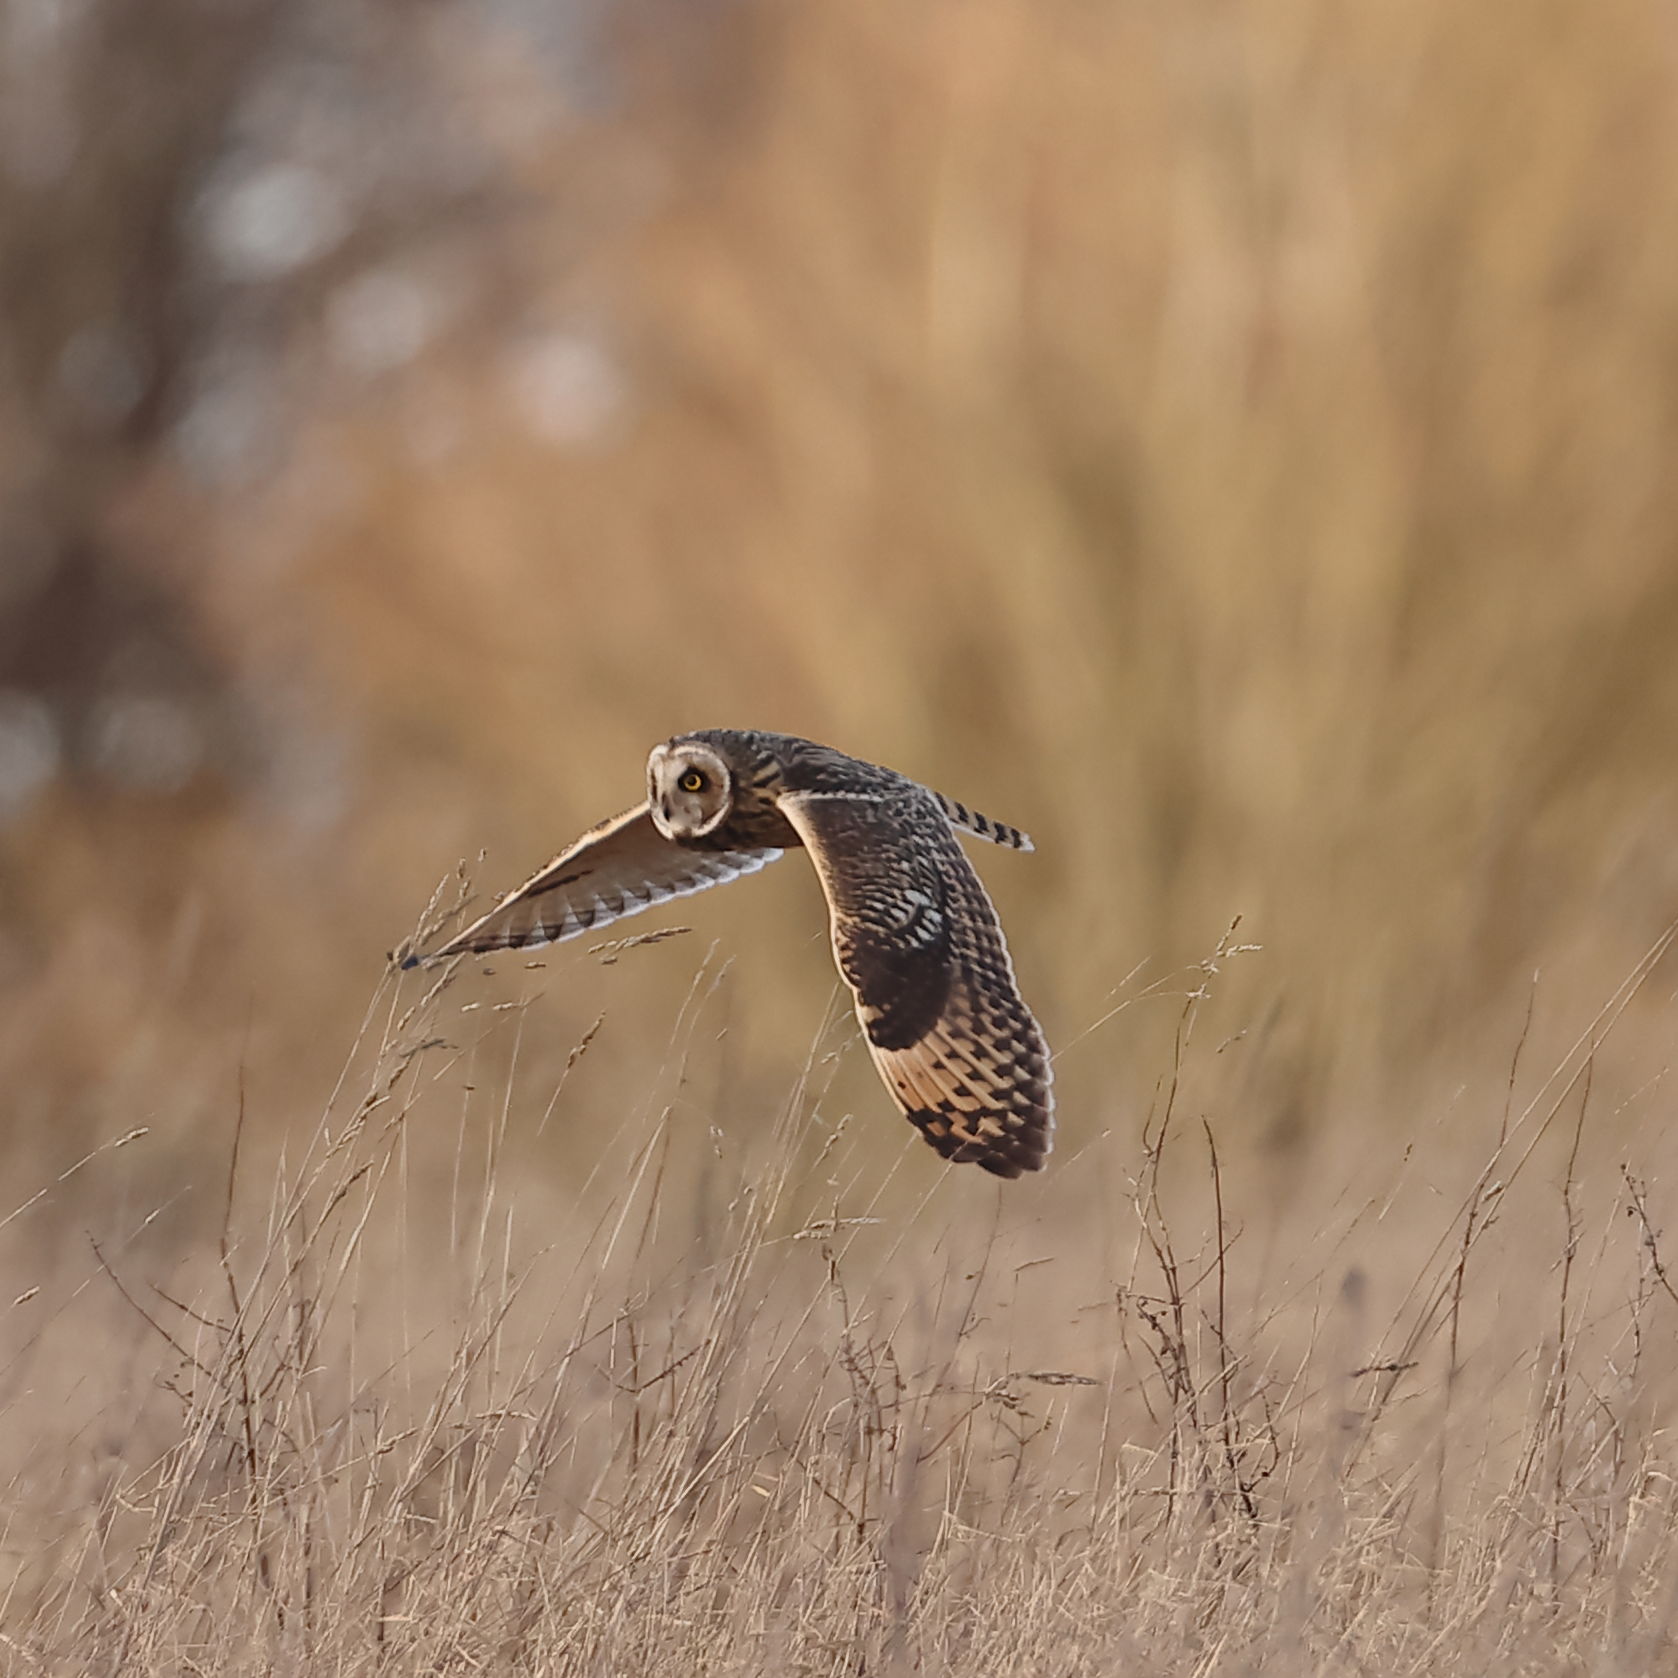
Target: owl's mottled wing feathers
[(619, 868), (917, 940)]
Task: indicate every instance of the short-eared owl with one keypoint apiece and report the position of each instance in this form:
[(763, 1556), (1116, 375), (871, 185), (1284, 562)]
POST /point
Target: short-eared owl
[(914, 934)]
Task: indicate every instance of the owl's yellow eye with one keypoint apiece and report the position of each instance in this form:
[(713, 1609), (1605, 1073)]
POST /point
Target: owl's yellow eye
[(692, 781)]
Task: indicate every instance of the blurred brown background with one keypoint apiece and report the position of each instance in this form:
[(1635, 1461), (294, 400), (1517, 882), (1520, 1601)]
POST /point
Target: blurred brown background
[(1232, 441)]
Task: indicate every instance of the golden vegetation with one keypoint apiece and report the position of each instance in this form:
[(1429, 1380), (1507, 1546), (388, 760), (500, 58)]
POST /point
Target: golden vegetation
[(1232, 443), (730, 1405)]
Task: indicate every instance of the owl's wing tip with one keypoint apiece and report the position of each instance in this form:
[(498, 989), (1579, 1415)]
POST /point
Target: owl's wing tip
[(1007, 1153), (1010, 1169), (405, 958)]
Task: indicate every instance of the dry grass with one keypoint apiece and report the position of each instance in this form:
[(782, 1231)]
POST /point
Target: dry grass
[(737, 1404), (1233, 442)]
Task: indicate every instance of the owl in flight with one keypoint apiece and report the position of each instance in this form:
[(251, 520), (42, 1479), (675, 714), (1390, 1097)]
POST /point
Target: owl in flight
[(914, 934)]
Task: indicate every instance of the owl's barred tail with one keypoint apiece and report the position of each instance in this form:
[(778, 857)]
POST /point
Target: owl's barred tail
[(971, 821)]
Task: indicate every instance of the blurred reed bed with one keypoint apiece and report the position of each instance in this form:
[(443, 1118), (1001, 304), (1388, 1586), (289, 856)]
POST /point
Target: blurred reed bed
[(730, 1409), (1230, 442)]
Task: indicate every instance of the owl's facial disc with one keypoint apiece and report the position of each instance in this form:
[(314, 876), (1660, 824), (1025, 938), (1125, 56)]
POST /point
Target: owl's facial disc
[(690, 789)]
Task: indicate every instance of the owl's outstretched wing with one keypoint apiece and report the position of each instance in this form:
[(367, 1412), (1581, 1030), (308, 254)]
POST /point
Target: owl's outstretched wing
[(916, 938), (619, 868)]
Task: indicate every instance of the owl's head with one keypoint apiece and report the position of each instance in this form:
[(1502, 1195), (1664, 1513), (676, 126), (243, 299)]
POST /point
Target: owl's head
[(690, 788)]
